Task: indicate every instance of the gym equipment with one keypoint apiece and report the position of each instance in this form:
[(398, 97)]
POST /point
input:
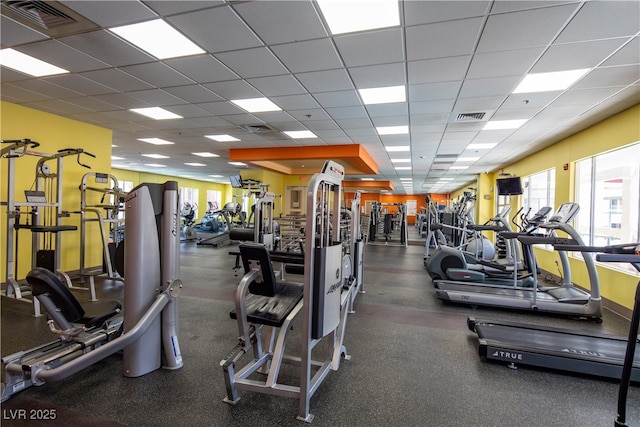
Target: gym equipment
[(228, 212), (566, 349), (149, 328), (565, 299), (187, 231), (45, 202), (264, 303), (109, 214), (450, 264), (392, 227)]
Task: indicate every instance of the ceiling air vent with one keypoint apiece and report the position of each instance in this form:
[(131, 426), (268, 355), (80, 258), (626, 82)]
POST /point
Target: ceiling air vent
[(465, 117), (259, 128), (49, 17)]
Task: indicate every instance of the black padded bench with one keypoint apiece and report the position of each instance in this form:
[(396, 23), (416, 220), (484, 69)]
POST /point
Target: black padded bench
[(268, 302)]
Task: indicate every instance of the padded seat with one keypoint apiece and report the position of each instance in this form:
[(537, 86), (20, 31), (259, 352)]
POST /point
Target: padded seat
[(269, 302), (44, 282)]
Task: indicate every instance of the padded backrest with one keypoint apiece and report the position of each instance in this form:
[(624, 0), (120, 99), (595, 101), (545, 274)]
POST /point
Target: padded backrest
[(255, 254), (42, 281)]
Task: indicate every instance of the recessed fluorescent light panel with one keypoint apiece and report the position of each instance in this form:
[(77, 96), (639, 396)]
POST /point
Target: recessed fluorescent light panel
[(215, 176), (403, 168), (117, 158), (397, 148), (155, 141), (23, 63), (383, 95), (547, 82), (467, 159), (459, 167), (400, 160), (481, 146), (156, 113), (205, 154), (256, 105), (349, 16), (366, 179), (503, 124), (195, 164), (159, 39), (222, 138), (155, 165), (237, 164), (300, 134), (392, 130), (156, 156), (406, 179)]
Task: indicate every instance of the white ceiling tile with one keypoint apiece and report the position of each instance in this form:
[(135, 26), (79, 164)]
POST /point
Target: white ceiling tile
[(221, 108), (216, 30), (164, 7), (575, 56), (103, 13), (107, 48), (588, 23), (438, 70), (53, 105), (13, 33), (609, 76), (157, 74), (311, 115), (202, 68), (121, 100), (116, 79), (349, 124), (277, 85), (452, 38), (518, 30), (419, 12), (372, 47), (156, 97), (255, 62), (497, 64), (10, 90), (535, 100), (79, 84), (325, 81), (312, 55), (193, 93), (91, 104), (493, 86), (282, 21), (379, 75), (434, 91), (428, 107), (234, 89), (384, 110), (628, 54), (478, 104), (343, 98), (296, 102), (338, 113), (320, 125), (46, 88)]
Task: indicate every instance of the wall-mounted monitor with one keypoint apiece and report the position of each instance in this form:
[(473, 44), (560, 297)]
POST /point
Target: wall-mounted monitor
[(236, 181), (509, 186)]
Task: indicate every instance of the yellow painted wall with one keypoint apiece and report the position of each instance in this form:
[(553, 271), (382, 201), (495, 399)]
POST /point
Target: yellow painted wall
[(53, 133), (615, 132)]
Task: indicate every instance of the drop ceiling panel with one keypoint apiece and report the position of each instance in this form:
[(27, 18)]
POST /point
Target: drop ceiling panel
[(193, 93), (45, 88), (91, 104), (325, 81), (385, 110), (310, 115), (216, 30), (256, 62), (234, 89), (370, 48), (296, 102), (202, 68), (338, 99), (434, 91), (576, 55), (311, 55), (479, 104), (419, 12), (103, 13), (429, 107), (610, 76), (493, 86), (426, 41), (379, 75), (188, 111), (81, 84), (163, 7), (116, 79), (107, 48), (52, 105), (588, 23), (282, 21), (498, 64), (277, 85), (518, 30), (628, 54), (157, 74), (438, 70), (121, 100), (339, 113), (156, 97), (13, 33)]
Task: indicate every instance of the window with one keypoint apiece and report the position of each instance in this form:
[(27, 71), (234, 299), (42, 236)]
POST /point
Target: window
[(607, 188), (539, 190), (189, 195), (214, 201)]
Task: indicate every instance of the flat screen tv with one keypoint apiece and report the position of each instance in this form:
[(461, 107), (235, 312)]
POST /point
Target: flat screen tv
[(236, 181), (509, 186)]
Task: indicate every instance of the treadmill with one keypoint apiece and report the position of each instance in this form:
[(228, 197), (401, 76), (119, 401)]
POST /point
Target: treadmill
[(565, 299), (564, 349)]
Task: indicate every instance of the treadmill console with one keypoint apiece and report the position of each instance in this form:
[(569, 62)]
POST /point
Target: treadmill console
[(565, 213)]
